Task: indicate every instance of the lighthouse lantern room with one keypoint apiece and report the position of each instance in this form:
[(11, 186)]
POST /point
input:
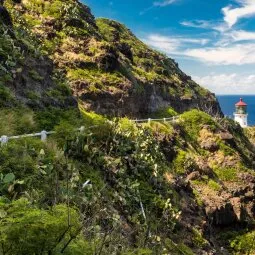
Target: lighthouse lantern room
[(241, 114)]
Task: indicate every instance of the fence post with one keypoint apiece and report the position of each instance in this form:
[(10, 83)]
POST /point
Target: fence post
[(149, 120), (81, 129), (164, 119), (4, 140), (43, 135), (173, 119)]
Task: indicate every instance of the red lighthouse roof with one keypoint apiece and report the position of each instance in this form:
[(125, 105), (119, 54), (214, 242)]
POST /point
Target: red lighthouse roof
[(241, 103)]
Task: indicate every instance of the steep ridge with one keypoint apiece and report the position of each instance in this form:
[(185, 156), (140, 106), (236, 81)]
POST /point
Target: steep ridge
[(108, 69)]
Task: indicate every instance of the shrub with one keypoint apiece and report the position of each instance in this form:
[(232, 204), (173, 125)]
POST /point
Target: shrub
[(227, 150), (17, 121), (214, 185), (244, 244), (193, 120), (183, 163), (45, 230), (64, 132), (198, 239), (6, 96), (48, 118), (165, 113), (35, 75), (226, 174)]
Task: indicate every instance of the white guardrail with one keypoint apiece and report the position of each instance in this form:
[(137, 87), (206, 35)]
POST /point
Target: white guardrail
[(43, 134)]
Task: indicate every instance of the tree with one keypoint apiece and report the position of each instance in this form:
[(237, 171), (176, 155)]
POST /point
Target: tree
[(26, 229)]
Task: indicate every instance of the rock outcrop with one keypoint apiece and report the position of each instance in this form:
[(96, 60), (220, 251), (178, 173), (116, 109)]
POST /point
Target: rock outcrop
[(108, 69)]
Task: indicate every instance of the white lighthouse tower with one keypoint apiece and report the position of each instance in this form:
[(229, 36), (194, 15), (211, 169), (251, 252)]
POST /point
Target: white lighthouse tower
[(241, 114)]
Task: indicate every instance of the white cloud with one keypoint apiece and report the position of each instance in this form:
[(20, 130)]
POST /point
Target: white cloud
[(234, 36), (229, 54), (163, 3), (232, 15), (241, 35), (197, 23), (206, 24), (228, 83), (162, 43), (238, 54), (172, 44)]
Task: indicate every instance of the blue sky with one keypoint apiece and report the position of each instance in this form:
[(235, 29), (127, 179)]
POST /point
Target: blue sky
[(213, 40)]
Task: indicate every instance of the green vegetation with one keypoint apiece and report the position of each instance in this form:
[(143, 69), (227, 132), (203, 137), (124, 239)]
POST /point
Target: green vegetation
[(35, 75), (183, 162), (243, 244), (193, 120), (226, 174), (96, 79), (119, 160), (113, 187), (35, 176), (44, 230), (198, 239), (16, 121), (214, 185), (165, 113)]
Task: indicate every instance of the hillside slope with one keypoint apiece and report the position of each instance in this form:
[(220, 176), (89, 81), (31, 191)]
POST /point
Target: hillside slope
[(108, 69), (179, 188), (182, 188), (27, 76)]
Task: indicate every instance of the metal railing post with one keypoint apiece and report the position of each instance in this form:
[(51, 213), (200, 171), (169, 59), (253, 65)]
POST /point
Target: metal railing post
[(82, 129), (4, 140), (43, 135)]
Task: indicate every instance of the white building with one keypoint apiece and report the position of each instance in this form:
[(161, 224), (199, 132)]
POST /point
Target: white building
[(241, 115)]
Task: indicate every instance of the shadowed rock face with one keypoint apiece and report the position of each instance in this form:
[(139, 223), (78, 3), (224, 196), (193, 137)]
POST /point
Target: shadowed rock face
[(26, 74), (5, 17)]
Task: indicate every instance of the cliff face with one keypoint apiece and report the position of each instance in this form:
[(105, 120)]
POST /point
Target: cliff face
[(108, 69), (27, 76)]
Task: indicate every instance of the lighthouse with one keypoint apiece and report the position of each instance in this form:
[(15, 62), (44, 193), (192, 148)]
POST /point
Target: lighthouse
[(241, 114)]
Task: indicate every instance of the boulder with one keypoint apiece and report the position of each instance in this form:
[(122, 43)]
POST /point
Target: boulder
[(226, 213), (193, 176), (223, 215), (238, 208), (209, 145), (204, 167), (225, 136)]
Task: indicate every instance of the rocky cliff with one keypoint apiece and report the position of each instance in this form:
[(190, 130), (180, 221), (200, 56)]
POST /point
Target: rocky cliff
[(108, 69)]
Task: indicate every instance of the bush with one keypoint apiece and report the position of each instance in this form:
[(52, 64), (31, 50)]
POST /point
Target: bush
[(244, 244), (45, 230), (226, 174), (193, 120), (183, 163), (165, 113), (17, 121), (6, 97), (48, 118), (198, 239), (214, 185)]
